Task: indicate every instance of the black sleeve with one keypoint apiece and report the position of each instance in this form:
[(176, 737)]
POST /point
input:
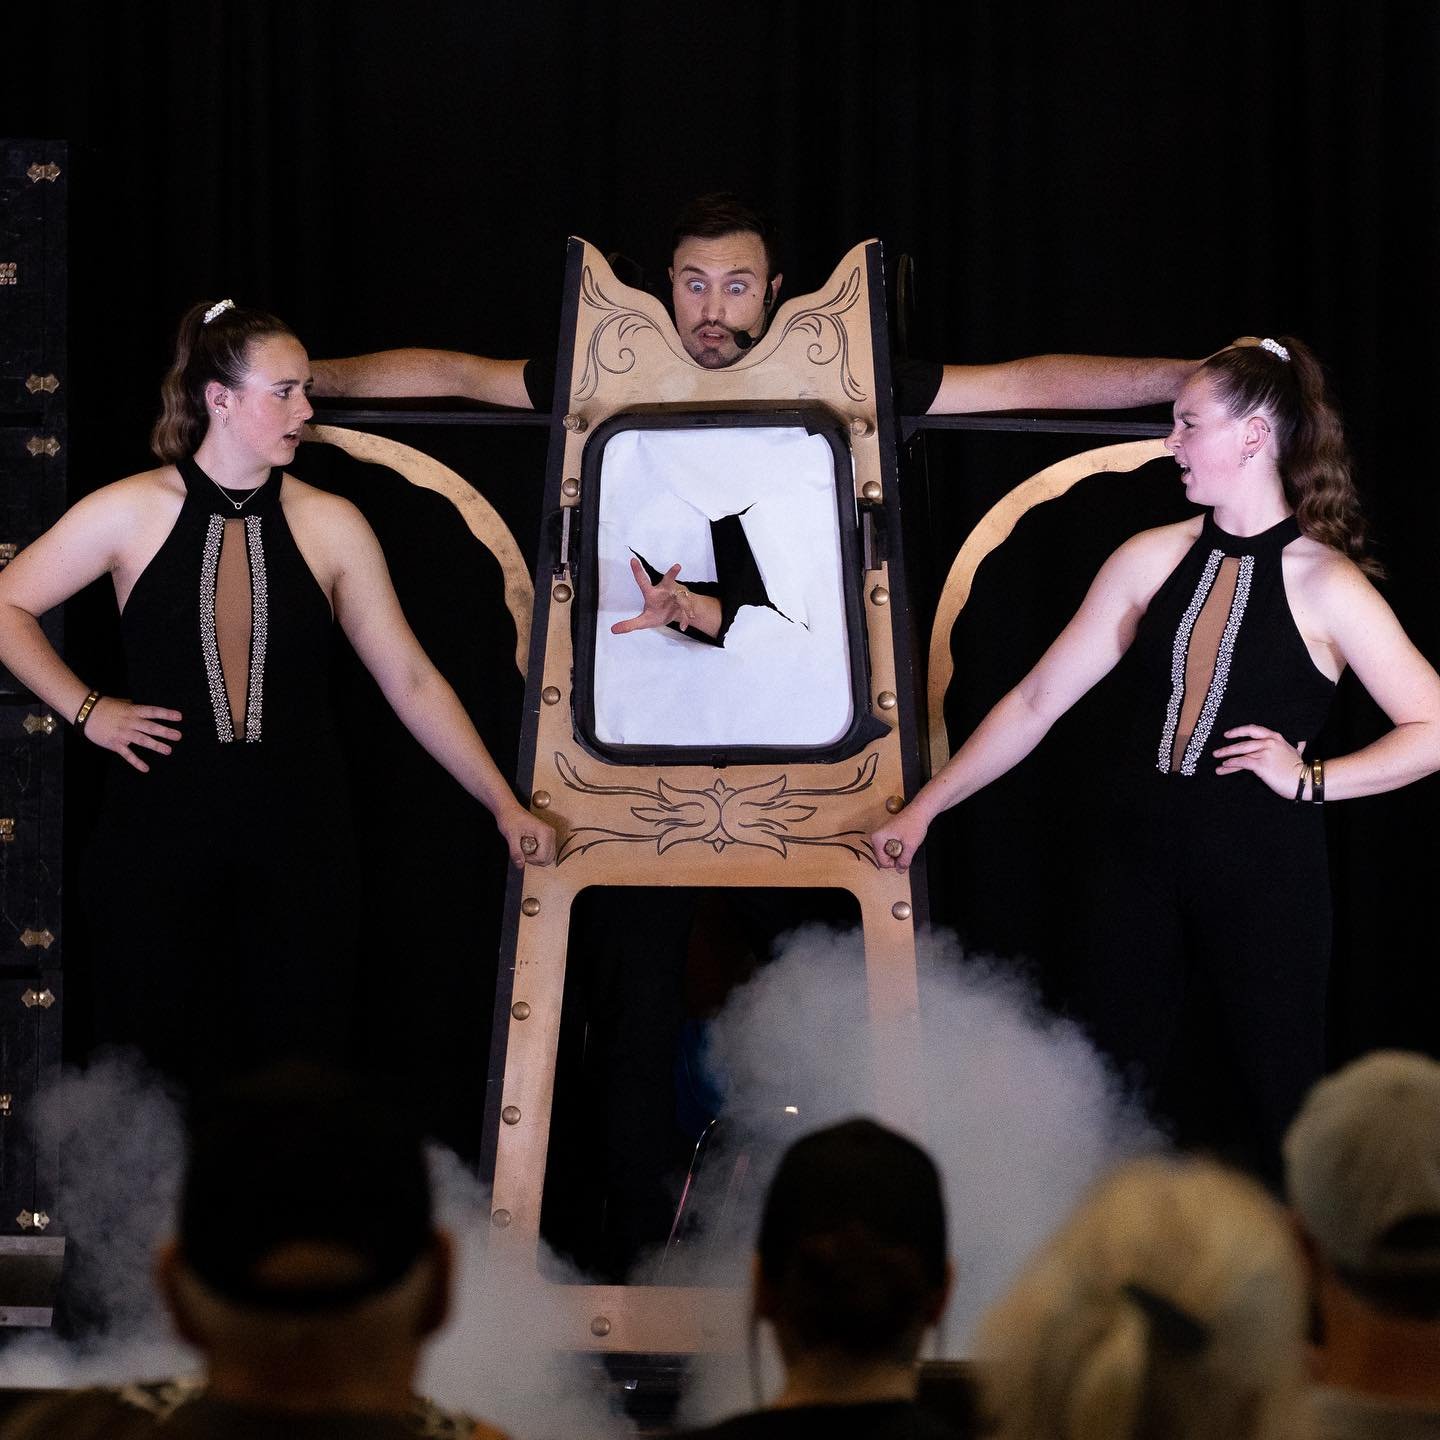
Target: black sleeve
[(917, 382), (540, 383), (739, 580)]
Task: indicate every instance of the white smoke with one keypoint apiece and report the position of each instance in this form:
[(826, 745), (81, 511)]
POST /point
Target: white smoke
[(121, 1141), (495, 1358), (1017, 1108)]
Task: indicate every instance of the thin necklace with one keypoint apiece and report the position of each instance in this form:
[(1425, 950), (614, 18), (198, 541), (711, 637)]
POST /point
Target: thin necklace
[(238, 504)]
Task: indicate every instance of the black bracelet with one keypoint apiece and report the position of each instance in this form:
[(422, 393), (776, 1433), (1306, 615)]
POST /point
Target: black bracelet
[(1317, 782), (86, 706), (1300, 788)]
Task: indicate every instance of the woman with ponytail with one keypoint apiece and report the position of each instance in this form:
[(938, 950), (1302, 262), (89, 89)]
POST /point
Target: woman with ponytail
[(851, 1269), (1234, 627), (1171, 1306), (220, 881)]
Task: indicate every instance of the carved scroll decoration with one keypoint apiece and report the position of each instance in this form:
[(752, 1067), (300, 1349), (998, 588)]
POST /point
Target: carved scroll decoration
[(827, 314), (718, 815), (619, 325)]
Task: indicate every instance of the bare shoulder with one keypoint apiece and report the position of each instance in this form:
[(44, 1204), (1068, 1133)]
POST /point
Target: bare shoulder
[(309, 506), (333, 536), (126, 512), (1322, 577), (1152, 554), (141, 493), (1174, 539)]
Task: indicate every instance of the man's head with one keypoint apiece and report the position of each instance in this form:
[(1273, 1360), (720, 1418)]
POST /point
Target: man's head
[(724, 276), (306, 1230), (852, 1257), (1362, 1171)]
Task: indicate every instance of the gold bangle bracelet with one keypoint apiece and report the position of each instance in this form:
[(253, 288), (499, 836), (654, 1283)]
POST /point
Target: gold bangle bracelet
[(86, 706)]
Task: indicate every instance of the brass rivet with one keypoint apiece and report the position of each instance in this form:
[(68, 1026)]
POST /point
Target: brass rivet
[(540, 800), (880, 595), (511, 1114), (901, 909), (895, 804), (576, 423), (860, 427), (570, 488), (600, 1326), (530, 905), (550, 695), (886, 699), (562, 593), (871, 490), (521, 1009), (499, 1218)]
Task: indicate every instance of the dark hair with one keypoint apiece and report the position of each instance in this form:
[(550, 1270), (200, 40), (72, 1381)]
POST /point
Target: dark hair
[(303, 1153), (219, 350), (852, 1240), (1311, 454), (724, 213)]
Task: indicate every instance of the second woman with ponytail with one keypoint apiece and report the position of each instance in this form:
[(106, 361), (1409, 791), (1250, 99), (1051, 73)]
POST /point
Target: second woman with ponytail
[(220, 883), (1234, 627)]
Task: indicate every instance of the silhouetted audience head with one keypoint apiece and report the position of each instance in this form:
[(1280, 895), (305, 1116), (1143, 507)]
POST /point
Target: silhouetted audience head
[(1362, 1172), (851, 1263), (307, 1261), (1171, 1306)]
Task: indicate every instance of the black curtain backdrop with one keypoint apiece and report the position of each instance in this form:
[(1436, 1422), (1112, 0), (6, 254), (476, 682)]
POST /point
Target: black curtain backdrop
[(1122, 178)]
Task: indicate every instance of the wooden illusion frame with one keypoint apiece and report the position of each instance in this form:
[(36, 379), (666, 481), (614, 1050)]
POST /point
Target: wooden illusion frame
[(791, 823)]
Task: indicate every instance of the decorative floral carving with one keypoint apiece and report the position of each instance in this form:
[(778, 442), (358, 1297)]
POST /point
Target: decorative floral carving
[(609, 347), (618, 326), (718, 815), (815, 322)]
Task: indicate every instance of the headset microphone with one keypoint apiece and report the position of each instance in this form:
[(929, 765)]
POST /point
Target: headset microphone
[(743, 338)]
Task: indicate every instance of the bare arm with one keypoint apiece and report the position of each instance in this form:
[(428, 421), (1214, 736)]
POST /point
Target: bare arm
[(1362, 627), (1060, 382), (1086, 650), (83, 545), (425, 372), (370, 614)]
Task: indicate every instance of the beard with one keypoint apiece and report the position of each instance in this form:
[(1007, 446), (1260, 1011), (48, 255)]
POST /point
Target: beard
[(711, 358), (714, 357)]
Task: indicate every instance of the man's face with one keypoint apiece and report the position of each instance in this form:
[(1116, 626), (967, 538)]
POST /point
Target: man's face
[(719, 287)]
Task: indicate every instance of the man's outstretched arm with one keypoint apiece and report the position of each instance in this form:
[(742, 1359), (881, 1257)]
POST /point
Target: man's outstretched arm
[(1060, 382), (395, 373)]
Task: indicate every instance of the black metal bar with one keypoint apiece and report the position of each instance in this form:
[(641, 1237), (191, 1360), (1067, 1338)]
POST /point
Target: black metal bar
[(385, 415), (1091, 424)]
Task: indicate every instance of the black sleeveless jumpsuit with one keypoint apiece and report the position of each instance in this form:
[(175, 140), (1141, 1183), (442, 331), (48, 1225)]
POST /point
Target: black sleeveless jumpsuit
[(1211, 872), (220, 886)]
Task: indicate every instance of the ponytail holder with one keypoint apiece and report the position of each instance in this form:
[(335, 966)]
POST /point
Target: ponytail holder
[(221, 306), (1275, 348), (1176, 1329)]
